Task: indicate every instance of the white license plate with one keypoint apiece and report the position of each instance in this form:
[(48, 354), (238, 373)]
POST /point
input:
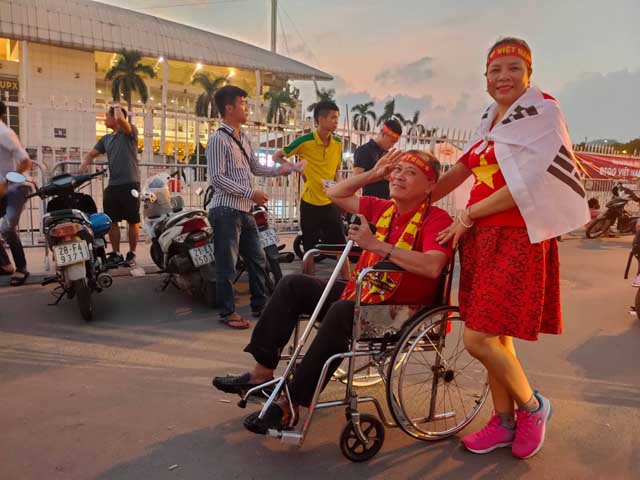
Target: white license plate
[(70, 253), (268, 237), (202, 255)]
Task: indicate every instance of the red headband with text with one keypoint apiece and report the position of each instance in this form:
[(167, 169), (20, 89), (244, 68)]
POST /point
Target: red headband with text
[(510, 49), (391, 133), (419, 162)]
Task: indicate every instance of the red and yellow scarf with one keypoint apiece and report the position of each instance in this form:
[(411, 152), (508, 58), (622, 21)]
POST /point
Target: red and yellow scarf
[(380, 287)]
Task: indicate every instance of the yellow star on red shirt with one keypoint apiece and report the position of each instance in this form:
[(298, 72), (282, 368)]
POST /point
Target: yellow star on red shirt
[(484, 172)]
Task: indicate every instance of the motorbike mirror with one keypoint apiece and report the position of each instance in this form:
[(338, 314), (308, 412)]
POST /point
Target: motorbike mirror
[(15, 177), (135, 193)]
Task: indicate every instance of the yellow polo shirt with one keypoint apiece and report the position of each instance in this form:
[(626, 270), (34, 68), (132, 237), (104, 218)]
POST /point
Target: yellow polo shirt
[(323, 163)]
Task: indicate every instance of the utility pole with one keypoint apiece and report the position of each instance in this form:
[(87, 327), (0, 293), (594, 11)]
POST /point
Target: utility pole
[(274, 24)]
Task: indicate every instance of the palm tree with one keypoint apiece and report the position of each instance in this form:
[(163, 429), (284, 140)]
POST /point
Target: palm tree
[(389, 112), (127, 76), (322, 94), (279, 100), (205, 104), (361, 116)]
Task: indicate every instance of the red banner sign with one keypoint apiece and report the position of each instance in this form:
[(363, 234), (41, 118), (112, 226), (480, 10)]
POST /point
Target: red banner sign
[(608, 166)]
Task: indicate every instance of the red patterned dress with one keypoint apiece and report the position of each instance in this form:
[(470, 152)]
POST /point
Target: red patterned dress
[(508, 286)]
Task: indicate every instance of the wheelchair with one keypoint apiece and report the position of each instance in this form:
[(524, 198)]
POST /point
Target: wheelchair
[(434, 388)]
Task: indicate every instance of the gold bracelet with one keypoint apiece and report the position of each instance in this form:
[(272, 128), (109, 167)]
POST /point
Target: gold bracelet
[(388, 255)]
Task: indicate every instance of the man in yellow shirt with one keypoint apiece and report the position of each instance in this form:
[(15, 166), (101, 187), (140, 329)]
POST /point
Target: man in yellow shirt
[(320, 219)]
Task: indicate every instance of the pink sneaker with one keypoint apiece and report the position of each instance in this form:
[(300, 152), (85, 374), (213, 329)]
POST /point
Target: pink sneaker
[(492, 436), (530, 429)]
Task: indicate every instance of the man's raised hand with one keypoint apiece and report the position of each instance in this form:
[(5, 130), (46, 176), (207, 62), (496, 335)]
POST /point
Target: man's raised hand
[(259, 197), (387, 163)]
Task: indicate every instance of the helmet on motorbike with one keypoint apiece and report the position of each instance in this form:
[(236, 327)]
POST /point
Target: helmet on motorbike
[(101, 223)]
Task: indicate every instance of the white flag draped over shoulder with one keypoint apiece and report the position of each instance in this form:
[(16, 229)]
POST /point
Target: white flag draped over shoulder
[(535, 155)]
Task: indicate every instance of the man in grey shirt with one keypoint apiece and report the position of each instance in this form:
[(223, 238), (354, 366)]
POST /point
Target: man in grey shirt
[(121, 148), (13, 158)]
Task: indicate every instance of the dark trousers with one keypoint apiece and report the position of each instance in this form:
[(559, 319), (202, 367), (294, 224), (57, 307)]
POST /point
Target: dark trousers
[(320, 223), (235, 232), (296, 295)]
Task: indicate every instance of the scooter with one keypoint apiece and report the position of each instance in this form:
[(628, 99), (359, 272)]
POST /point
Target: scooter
[(268, 240), (75, 232), (613, 214), (180, 238)]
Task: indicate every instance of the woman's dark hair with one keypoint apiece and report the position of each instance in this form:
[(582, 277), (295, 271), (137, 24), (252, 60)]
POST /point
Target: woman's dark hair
[(3, 109), (227, 96), (593, 203), (394, 125), (323, 107)]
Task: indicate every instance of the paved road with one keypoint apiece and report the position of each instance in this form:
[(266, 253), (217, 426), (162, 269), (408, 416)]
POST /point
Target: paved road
[(129, 395)]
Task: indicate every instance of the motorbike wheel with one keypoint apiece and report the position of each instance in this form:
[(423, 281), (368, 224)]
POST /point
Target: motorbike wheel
[(598, 228), (156, 254), (273, 260), (297, 246), (83, 297), (637, 304), (299, 249)]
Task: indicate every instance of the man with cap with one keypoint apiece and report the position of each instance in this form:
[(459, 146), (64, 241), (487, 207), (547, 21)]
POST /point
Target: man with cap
[(406, 229)]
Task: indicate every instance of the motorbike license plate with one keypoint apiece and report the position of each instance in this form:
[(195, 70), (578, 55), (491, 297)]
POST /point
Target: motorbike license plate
[(70, 253), (202, 255), (268, 237)]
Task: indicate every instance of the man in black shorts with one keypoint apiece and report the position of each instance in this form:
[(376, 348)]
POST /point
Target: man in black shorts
[(367, 155), (121, 148)]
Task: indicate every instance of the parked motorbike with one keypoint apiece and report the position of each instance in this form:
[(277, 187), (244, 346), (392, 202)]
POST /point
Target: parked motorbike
[(613, 214), (180, 238), (269, 241), (75, 232)]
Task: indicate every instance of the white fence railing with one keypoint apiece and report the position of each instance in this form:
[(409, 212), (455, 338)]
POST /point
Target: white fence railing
[(185, 136)]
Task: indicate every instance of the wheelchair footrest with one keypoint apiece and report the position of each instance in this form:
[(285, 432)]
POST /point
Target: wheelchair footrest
[(291, 438)]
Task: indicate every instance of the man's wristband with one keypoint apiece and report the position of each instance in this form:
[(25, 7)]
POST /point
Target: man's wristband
[(388, 255)]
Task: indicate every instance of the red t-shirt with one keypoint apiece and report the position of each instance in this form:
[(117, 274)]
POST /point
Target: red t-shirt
[(414, 289), (489, 178)]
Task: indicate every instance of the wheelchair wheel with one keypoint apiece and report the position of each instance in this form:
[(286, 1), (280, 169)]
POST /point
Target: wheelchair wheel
[(366, 374), (435, 387), (353, 448)]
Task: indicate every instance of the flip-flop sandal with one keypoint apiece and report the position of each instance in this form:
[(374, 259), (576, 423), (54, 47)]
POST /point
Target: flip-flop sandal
[(17, 281), (236, 323), (236, 383)]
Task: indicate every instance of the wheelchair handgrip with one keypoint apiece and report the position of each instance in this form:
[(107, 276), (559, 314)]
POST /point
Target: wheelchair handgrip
[(388, 266), (337, 247)]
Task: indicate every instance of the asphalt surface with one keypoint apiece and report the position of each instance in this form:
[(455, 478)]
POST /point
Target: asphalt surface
[(129, 395)]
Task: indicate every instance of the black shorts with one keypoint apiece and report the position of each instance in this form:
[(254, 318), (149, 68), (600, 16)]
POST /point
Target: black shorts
[(119, 204)]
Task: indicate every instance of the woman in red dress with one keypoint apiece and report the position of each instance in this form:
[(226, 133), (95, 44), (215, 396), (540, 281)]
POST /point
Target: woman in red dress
[(509, 286)]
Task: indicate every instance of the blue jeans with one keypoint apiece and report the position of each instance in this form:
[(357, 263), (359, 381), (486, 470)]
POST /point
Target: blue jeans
[(15, 201), (236, 232)]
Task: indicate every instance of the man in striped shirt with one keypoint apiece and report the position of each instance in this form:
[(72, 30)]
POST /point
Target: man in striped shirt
[(232, 164)]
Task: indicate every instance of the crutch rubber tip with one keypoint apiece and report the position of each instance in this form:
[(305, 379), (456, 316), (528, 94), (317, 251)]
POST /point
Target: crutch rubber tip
[(242, 403)]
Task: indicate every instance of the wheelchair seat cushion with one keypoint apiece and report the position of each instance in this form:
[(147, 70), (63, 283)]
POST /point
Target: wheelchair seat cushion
[(385, 321)]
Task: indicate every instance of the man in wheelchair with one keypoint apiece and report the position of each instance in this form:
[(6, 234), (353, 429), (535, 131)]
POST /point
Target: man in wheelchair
[(406, 229)]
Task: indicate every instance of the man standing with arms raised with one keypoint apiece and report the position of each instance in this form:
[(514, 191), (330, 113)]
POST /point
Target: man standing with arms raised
[(320, 219), (121, 147), (232, 164)]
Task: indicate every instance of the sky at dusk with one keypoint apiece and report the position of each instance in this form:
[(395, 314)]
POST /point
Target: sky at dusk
[(430, 55)]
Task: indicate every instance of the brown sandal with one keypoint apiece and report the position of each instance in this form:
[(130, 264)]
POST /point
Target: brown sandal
[(235, 321), (16, 281)]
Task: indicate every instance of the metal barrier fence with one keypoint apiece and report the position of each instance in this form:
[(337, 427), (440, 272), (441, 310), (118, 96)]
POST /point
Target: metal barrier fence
[(183, 137)]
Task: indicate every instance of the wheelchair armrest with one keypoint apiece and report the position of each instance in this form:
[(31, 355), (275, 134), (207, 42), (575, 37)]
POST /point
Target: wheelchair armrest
[(337, 248), (388, 266)]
